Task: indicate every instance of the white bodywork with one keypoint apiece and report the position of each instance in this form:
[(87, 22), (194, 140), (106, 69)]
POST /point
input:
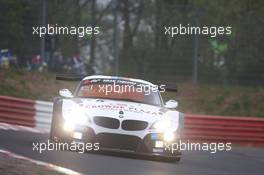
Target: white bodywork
[(89, 108)]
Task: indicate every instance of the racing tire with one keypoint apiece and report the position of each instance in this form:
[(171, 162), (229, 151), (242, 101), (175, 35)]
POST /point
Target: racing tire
[(56, 114), (174, 159), (169, 159)]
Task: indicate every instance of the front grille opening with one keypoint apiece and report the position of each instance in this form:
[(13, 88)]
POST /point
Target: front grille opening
[(107, 122), (134, 125), (118, 141)]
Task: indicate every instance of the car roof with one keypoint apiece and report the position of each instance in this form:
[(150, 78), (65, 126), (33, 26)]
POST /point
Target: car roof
[(117, 77)]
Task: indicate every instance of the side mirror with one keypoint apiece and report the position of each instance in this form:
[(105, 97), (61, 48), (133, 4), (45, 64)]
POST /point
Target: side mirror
[(66, 93), (171, 104)]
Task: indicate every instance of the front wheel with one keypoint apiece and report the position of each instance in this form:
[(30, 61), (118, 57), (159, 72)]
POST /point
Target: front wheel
[(56, 119), (173, 159)]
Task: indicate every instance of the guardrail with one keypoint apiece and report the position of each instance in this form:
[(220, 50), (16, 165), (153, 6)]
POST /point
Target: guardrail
[(17, 111), (241, 130), (43, 114), (25, 112)]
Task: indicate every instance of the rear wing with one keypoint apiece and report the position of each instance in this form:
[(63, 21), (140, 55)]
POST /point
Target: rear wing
[(171, 87), (70, 77)]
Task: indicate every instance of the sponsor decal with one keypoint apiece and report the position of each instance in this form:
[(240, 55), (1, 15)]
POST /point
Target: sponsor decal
[(123, 107)]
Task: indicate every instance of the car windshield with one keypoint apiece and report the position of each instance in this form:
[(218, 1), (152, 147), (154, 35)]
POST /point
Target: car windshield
[(120, 90)]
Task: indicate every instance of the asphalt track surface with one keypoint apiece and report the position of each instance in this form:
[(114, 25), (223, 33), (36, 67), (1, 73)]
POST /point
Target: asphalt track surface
[(238, 161)]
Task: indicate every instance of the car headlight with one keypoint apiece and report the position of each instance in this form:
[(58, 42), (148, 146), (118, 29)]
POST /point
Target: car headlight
[(75, 115), (168, 136), (68, 126), (164, 125)]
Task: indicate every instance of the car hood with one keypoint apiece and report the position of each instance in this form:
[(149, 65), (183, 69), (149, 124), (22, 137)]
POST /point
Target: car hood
[(116, 109)]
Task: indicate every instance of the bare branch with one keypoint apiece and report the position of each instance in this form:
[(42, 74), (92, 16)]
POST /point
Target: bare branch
[(84, 4), (104, 11)]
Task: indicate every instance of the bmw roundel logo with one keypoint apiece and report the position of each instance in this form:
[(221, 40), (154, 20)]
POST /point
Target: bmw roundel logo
[(121, 114)]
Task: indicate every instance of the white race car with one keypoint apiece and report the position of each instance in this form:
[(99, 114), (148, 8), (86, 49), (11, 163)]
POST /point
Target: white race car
[(120, 114)]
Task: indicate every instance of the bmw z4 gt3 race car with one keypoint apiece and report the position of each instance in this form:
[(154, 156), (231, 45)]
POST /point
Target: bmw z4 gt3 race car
[(120, 114)]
